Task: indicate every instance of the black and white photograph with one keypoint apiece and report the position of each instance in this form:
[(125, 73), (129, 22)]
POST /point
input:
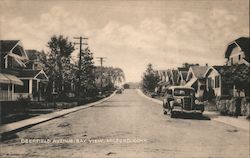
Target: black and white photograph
[(124, 79)]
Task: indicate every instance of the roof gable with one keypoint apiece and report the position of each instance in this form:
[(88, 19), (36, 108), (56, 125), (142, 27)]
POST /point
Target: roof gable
[(32, 54), (13, 48), (28, 73), (7, 45), (184, 74), (243, 43), (198, 71)]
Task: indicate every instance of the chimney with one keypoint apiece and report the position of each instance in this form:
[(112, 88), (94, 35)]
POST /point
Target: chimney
[(206, 64)]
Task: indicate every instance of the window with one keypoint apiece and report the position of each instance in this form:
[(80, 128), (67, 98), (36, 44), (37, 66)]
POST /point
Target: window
[(212, 83), (183, 92), (169, 91), (202, 87), (22, 89), (239, 57), (3, 87), (209, 82), (217, 82), (232, 61)]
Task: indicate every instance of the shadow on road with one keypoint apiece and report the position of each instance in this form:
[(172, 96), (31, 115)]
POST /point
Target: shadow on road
[(192, 116), (8, 136)]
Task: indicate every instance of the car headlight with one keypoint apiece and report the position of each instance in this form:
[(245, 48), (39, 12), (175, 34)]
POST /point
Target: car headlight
[(178, 101), (196, 101)]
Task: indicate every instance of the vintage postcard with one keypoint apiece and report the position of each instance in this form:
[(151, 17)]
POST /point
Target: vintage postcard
[(124, 79)]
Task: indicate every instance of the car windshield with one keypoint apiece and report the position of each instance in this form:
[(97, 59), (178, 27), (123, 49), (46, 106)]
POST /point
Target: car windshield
[(183, 92)]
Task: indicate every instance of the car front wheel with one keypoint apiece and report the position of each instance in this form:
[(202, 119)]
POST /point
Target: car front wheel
[(172, 114)]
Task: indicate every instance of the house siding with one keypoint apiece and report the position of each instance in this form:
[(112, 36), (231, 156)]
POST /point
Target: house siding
[(234, 57), (211, 76)]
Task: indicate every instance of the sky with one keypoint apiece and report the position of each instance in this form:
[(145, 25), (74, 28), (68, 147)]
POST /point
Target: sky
[(131, 33)]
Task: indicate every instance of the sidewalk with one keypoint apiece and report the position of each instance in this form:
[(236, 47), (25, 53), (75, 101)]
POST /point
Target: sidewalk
[(18, 126), (240, 122)]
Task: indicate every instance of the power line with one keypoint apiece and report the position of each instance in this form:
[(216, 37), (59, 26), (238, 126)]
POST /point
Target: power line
[(80, 58), (101, 59)]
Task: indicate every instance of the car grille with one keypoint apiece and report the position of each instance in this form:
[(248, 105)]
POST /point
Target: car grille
[(187, 103)]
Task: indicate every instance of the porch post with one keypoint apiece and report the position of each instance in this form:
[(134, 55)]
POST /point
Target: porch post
[(9, 96), (30, 88), (13, 92), (6, 61), (38, 89)]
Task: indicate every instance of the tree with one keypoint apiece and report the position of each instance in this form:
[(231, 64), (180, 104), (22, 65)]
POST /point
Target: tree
[(238, 75), (58, 63), (86, 74), (126, 86), (108, 77), (187, 65), (116, 75), (150, 79)]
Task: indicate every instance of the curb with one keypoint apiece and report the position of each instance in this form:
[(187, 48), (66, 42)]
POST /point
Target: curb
[(245, 125), (23, 124)]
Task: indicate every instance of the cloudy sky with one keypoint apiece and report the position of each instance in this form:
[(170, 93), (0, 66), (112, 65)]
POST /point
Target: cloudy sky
[(132, 33)]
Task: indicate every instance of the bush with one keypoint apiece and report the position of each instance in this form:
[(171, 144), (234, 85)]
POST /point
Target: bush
[(210, 105), (245, 107), (227, 106)]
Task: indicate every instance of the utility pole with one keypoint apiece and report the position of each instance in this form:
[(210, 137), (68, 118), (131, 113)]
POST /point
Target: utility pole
[(80, 59), (101, 59)]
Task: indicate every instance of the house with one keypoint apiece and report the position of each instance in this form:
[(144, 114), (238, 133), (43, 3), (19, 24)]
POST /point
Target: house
[(12, 55), (165, 80), (215, 79), (174, 74), (182, 75), (17, 79), (220, 79), (196, 79), (237, 52), (34, 62), (34, 84)]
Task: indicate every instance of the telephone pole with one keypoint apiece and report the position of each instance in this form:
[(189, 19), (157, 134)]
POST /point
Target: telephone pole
[(80, 58), (101, 59)]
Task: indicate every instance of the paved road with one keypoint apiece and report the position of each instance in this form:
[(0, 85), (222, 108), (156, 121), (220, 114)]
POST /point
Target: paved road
[(128, 125)]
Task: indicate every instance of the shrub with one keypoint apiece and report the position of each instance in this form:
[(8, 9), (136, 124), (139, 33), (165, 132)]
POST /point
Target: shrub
[(225, 107), (245, 107)]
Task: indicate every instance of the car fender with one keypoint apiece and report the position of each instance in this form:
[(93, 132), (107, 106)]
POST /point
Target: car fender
[(172, 104)]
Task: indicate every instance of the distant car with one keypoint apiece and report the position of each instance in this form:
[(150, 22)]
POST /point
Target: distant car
[(152, 94), (119, 91), (180, 99)]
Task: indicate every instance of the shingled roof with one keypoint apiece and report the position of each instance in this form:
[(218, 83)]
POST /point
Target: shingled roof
[(32, 54), (222, 69), (28, 73), (199, 71), (7, 45)]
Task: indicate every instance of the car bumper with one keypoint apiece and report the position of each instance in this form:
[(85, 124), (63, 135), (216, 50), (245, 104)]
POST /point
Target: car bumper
[(180, 109)]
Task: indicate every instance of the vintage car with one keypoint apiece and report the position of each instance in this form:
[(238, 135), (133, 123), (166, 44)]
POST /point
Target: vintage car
[(119, 91), (180, 99)]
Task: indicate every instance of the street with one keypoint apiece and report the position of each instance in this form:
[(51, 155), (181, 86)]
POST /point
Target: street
[(128, 125)]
